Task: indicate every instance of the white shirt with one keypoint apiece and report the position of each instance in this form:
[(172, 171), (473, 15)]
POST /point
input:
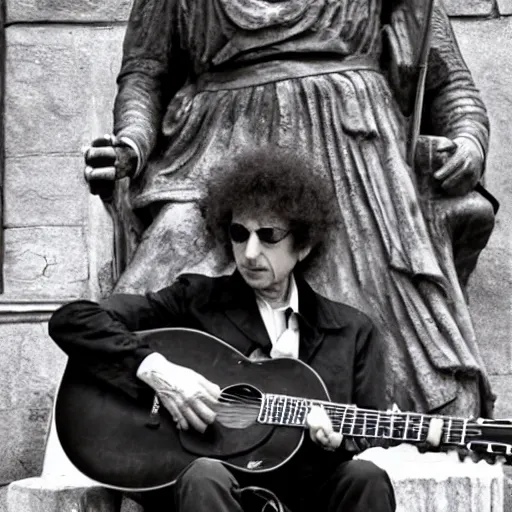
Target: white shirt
[(285, 341)]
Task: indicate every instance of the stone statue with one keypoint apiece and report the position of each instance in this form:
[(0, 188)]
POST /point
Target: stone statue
[(333, 78)]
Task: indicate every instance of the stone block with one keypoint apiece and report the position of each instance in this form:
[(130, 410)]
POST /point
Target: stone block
[(469, 7), (30, 367), (58, 495), (439, 482), (3, 498), (502, 385), (59, 87), (23, 434), (45, 263), (505, 7), (45, 190), (485, 46), (67, 11), (507, 489)]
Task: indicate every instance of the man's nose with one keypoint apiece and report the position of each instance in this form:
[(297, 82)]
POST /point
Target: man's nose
[(253, 247)]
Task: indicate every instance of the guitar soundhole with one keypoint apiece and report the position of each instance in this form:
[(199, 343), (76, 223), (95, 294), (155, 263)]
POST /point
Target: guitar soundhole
[(239, 406)]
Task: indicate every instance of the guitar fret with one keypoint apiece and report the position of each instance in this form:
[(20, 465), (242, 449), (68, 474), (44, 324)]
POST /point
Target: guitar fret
[(420, 429), (345, 409), (354, 416), (295, 413), (377, 424), (464, 431), (406, 429), (449, 430)]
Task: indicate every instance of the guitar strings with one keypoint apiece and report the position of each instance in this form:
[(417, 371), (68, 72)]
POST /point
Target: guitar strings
[(371, 419)]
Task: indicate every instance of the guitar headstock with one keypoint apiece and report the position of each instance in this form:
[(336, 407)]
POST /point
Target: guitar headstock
[(490, 439)]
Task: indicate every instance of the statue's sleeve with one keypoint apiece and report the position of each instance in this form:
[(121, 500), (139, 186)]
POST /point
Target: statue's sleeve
[(453, 106), (151, 72)]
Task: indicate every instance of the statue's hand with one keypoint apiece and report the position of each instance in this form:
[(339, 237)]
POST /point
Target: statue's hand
[(463, 168), (108, 159)]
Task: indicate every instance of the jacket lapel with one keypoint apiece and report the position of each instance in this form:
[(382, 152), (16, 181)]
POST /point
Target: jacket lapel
[(316, 318), (239, 304)]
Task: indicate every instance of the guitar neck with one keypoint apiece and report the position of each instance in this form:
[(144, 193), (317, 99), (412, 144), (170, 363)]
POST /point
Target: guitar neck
[(352, 421)]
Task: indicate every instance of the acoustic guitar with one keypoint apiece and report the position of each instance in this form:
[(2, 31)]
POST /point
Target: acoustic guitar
[(134, 445)]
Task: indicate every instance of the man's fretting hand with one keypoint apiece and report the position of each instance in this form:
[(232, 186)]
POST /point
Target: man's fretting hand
[(321, 431), (188, 396)]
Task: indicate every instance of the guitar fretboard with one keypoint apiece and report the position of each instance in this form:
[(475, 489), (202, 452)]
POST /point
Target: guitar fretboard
[(353, 421)]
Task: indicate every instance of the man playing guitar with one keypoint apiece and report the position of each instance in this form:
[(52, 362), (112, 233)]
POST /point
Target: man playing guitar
[(268, 213)]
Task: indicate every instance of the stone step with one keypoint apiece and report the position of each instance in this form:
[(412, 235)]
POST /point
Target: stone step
[(430, 482)]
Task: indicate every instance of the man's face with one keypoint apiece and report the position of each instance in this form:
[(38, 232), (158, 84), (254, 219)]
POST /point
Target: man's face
[(265, 266)]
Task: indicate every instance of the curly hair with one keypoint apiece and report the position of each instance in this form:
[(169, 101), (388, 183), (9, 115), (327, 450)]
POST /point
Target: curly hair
[(270, 180)]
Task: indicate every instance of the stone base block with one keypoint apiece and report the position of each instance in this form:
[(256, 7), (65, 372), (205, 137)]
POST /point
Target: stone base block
[(64, 494), (428, 482), (439, 482)]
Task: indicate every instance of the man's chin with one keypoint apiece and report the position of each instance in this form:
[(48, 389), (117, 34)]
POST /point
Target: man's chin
[(255, 279)]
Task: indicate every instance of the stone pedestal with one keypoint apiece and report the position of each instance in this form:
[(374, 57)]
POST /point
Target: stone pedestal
[(430, 482), (439, 482)]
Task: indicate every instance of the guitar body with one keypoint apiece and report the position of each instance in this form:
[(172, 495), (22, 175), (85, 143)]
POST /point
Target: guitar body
[(110, 437)]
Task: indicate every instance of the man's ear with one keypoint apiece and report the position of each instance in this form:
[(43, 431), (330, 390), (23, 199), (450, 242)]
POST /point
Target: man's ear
[(303, 253)]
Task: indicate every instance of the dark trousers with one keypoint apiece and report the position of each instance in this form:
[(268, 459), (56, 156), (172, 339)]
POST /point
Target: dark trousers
[(208, 486)]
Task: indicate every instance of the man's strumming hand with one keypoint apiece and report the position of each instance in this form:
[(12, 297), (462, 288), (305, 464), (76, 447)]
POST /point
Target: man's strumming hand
[(188, 396)]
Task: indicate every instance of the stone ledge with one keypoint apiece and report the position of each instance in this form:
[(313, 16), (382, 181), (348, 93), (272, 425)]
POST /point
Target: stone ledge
[(85, 11), (433, 482), (439, 482), (63, 494), (480, 8), (505, 7)]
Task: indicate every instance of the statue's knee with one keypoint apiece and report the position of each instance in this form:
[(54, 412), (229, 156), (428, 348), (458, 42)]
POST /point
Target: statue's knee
[(205, 472), (472, 213)]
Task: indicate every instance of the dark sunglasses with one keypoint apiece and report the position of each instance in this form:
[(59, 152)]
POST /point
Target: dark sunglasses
[(240, 234)]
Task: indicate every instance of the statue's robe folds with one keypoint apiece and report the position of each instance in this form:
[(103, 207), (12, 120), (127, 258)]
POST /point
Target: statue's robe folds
[(190, 93)]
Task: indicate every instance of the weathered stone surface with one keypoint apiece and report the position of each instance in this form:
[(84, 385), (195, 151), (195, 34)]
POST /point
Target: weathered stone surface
[(60, 85), (485, 45), (45, 263), (502, 385), (3, 499), (57, 495), (469, 7), (67, 10), (504, 7), (45, 190), (439, 482), (423, 482), (30, 368), (62, 494), (23, 434)]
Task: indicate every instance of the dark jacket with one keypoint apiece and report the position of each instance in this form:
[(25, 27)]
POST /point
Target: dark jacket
[(338, 341)]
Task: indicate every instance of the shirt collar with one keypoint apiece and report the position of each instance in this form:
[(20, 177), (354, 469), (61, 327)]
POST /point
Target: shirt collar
[(320, 312)]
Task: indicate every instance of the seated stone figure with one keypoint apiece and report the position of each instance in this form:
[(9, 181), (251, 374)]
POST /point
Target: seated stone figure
[(203, 80)]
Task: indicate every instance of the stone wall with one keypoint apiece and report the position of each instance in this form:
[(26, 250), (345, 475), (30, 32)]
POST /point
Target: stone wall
[(61, 62)]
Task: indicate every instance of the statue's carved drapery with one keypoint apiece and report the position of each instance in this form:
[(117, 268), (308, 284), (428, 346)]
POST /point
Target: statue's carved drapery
[(200, 80)]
